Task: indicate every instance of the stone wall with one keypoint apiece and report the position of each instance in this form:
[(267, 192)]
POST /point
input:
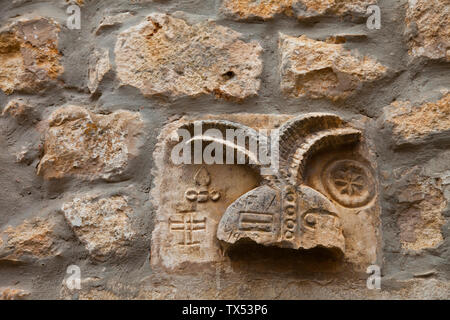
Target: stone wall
[(87, 126)]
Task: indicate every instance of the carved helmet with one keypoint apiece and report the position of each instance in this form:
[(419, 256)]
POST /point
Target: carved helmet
[(284, 211)]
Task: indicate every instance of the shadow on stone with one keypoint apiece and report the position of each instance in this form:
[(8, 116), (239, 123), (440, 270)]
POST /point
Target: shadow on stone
[(249, 255)]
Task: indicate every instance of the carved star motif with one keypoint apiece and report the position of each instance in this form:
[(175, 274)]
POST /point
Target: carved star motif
[(349, 181)]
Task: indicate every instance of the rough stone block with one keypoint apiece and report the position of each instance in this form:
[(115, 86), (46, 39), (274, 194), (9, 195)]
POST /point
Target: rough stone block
[(419, 206), (301, 9), (417, 124), (13, 294), (87, 145), (166, 56), (317, 69), (99, 66), (29, 56), (427, 28), (33, 238), (101, 223)]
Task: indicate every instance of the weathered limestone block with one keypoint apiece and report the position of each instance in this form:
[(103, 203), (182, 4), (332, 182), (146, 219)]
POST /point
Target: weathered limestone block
[(164, 55), (77, 2), (316, 199), (418, 124), (316, 69), (18, 116), (20, 110), (32, 239), (99, 66), (29, 56), (423, 289), (420, 204), (87, 145), (301, 9), (427, 28), (112, 21), (94, 288), (202, 286), (13, 294), (103, 224), (92, 294)]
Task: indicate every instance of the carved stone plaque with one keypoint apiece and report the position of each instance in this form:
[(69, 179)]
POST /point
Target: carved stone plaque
[(322, 193)]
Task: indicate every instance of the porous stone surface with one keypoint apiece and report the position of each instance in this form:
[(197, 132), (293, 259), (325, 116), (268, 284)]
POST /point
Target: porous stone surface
[(301, 9), (99, 65), (316, 69), (89, 123), (164, 55), (88, 145), (416, 124), (34, 238), (420, 206), (420, 218), (29, 56), (101, 224), (19, 109), (112, 21), (77, 2), (231, 286), (427, 28), (13, 294)]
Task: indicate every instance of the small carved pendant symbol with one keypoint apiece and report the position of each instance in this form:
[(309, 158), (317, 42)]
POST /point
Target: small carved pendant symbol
[(202, 193)]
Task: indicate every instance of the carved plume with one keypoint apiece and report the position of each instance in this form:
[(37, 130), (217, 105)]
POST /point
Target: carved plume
[(302, 137), (252, 138)]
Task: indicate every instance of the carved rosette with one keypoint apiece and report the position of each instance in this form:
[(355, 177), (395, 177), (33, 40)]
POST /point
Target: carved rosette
[(349, 183)]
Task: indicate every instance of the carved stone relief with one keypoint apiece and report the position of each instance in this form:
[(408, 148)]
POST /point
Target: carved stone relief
[(324, 194), (192, 200)]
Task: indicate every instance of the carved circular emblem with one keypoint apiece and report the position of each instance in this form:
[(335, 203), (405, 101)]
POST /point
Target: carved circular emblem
[(310, 220), (349, 182)]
